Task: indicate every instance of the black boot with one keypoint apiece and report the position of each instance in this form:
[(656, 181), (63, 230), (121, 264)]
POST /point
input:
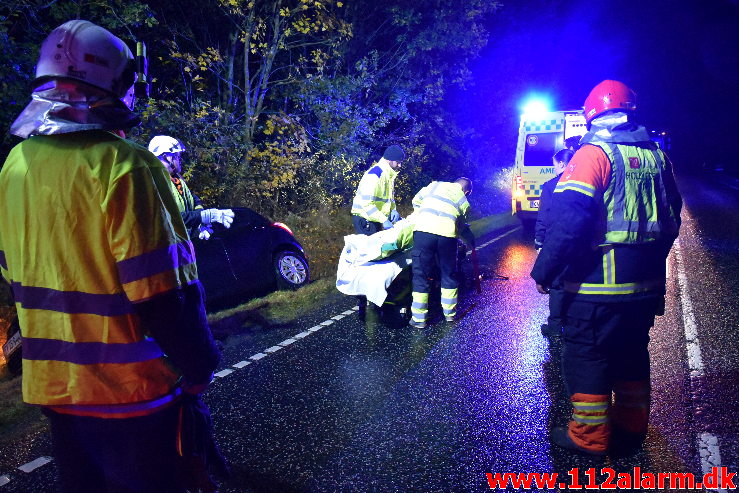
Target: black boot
[(561, 438), (550, 330)]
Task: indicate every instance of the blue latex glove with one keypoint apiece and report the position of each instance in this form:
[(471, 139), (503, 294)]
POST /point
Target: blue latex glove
[(395, 216), (387, 225)]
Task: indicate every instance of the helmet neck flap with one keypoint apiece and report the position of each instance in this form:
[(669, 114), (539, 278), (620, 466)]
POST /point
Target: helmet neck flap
[(63, 106)]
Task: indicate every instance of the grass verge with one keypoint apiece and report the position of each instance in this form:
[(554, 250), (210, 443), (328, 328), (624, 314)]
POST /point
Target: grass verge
[(16, 418)]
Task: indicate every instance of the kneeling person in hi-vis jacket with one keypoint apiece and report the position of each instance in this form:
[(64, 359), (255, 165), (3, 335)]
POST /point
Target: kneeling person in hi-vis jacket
[(440, 211)]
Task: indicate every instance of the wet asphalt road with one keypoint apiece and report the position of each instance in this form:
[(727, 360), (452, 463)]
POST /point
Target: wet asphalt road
[(378, 406)]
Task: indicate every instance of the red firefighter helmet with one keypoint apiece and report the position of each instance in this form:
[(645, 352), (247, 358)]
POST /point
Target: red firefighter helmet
[(609, 95)]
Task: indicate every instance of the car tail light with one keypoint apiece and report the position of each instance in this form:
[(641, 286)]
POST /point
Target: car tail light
[(519, 186), (283, 226)]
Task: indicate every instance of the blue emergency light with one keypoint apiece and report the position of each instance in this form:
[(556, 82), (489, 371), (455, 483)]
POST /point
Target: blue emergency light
[(535, 107)]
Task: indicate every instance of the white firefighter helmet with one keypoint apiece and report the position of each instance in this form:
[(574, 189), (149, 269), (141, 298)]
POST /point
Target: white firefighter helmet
[(83, 51), (164, 144)]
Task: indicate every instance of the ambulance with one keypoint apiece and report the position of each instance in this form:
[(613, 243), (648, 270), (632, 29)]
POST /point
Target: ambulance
[(540, 136)]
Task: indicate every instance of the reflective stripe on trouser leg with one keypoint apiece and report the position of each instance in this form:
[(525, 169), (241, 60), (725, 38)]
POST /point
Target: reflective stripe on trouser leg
[(630, 410), (449, 301), (589, 427), (420, 307)]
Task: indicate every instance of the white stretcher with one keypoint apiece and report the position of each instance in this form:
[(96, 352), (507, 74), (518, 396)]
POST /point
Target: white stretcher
[(369, 264)]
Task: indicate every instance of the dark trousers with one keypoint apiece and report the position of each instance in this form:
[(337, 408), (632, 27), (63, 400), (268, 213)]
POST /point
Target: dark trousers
[(556, 297), (132, 455), (430, 251), (605, 343), (365, 227)]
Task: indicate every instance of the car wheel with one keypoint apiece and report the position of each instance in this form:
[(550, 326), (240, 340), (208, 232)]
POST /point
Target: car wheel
[(291, 270)]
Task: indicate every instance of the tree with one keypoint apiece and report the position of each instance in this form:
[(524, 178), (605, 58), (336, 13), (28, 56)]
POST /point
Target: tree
[(283, 103)]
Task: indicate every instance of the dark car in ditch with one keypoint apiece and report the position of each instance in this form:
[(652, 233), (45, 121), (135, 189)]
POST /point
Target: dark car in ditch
[(251, 258)]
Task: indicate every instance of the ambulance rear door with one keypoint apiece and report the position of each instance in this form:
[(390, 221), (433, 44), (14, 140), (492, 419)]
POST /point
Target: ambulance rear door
[(539, 139)]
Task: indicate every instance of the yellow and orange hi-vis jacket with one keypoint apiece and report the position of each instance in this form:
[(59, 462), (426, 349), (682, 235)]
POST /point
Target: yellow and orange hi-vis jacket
[(89, 228)]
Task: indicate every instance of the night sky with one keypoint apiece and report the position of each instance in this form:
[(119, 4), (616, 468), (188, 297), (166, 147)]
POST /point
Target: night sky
[(681, 57)]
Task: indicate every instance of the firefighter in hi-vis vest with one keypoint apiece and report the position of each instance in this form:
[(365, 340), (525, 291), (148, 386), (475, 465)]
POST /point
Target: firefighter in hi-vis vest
[(110, 307), (618, 213), (197, 219)]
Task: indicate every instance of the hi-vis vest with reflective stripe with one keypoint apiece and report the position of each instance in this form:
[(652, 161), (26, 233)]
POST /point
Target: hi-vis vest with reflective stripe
[(636, 199), (637, 230), (88, 228), (438, 206), (183, 195), (374, 198)]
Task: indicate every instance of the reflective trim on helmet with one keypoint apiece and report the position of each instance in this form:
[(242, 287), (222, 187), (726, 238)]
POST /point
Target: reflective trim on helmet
[(84, 51)]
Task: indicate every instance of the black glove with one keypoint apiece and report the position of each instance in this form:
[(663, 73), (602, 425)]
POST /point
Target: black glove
[(467, 236)]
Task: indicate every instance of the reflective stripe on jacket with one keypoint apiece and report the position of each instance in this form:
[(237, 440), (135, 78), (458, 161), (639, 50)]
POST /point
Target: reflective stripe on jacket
[(438, 207), (88, 228), (374, 199)]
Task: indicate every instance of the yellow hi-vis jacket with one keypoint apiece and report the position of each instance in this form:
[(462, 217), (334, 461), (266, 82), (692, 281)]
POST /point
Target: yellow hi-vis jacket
[(438, 207), (88, 228), (374, 200), (186, 201)]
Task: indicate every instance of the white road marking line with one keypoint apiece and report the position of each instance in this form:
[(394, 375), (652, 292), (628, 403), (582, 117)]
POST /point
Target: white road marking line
[(488, 243), (223, 373), (257, 356), (695, 360), (326, 323), (348, 312), (355, 308), (708, 444), (710, 455), (337, 317), (302, 334), (273, 349), (35, 464), (4, 480), (287, 342), (241, 364)]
